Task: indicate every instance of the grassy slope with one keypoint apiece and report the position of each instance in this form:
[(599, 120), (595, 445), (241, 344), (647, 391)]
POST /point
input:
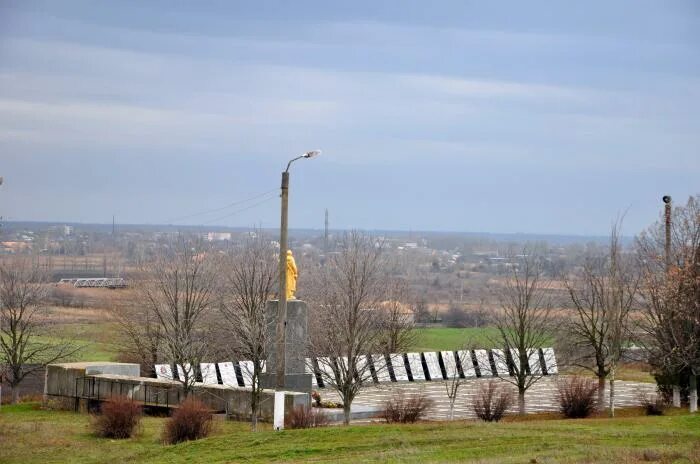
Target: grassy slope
[(30, 436), (95, 340), (435, 339)]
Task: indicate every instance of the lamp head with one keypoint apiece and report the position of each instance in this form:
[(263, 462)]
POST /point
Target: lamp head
[(666, 199), (311, 154)]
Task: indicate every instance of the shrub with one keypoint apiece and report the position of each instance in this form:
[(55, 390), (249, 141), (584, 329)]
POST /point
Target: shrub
[(577, 396), (191, 421), (456, 317), (118, 418), (406, 409), (653, 404), (330, 404), (492, 401), (303, 417), (665, 383)]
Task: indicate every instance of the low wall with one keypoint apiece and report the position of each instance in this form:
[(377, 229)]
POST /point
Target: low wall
[(61, 378), (90, 382)]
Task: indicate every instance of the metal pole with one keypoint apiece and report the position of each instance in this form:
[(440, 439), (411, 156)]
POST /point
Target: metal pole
[(282, 306), (667, 218), (676, 401)]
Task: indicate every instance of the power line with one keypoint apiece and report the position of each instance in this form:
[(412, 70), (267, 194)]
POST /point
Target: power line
[(214, 210), (242, 209)]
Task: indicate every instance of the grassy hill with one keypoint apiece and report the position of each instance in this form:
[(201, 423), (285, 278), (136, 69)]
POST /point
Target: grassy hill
[(28, 435)]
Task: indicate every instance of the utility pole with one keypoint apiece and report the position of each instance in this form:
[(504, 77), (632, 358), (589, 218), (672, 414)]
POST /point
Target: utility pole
[(676, 395), (667, 220), (325, 236), (281, 328), (282, 308)]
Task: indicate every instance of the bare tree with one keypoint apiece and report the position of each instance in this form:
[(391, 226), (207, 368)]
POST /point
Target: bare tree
[(140, 336), (249, 283), (421, 310), (454, 379), (524, 322), (346, 322), (180, 290), (23, 318), (603, 296), (398, 326), (671, 294)]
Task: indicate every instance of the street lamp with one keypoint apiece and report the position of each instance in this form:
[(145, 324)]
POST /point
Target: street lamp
[(667, 222), (282, 306)]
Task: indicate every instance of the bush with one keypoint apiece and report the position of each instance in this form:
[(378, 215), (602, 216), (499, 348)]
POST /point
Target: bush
[(330, 405), (303, 417), (191, 421), (118, 418), (665, 383), (492, 401), (406, 409), (577, 396), (456, 317), (653, 404)]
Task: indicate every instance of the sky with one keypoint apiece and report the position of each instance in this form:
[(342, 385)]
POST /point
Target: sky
[(504, 116)]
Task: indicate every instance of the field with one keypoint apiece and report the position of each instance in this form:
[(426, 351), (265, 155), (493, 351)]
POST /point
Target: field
[(439, 338), (28, 435), (95, 339)]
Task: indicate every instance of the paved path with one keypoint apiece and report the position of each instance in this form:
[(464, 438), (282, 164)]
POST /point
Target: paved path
[(540, 397)]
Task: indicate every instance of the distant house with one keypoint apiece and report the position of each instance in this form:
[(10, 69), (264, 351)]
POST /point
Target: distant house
[(15, 247), (218, 236)]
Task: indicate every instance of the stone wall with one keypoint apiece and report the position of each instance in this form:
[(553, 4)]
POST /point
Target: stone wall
[(90, 383)]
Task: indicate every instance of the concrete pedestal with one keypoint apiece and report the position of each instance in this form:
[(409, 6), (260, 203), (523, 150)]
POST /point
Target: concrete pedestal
[(295, 349)]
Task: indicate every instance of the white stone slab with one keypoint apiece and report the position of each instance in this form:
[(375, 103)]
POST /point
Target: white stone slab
[(363, 370), (380, 367), (208, 373), (516, 359), (499, 358), (181, 372), (465, 359), (533, 359), (342, 363), (399, 367), (448, 360), (246, 373), (550, 361), (431, 359), (416, 366), (279, 410), (326, 367), (164, 371), (228, 374), (309, 369), (482, 359)]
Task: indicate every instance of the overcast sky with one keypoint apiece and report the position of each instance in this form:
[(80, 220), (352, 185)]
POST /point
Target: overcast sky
[(549, 117)]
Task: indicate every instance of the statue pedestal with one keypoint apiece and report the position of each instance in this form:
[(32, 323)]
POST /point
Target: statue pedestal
[(295, 348)]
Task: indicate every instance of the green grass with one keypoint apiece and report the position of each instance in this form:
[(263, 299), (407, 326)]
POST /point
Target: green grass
[(436, 339), (94, 340), (32, 436)]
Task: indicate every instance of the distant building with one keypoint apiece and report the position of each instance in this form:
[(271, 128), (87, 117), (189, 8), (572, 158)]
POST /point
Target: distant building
[(15, 247), (218, 236)]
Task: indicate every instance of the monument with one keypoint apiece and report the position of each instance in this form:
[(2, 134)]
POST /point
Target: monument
[(296, 337)]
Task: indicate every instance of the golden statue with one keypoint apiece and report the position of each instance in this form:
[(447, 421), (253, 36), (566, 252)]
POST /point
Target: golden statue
[(292, 275)]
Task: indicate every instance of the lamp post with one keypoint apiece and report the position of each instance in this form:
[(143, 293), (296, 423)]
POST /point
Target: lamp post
[(667, 223), (282, 306)]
